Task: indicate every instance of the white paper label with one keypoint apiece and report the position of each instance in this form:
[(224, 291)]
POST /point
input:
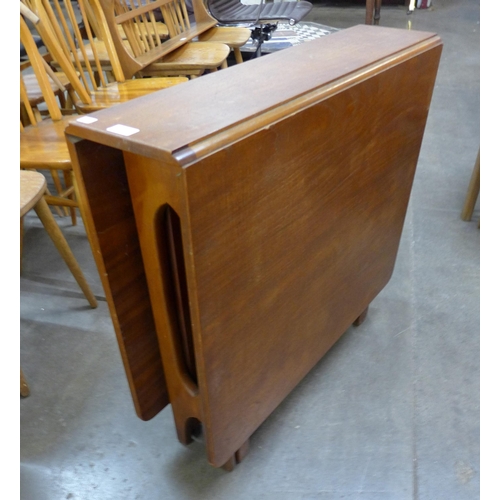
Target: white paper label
[(86, 119), (123, 130)]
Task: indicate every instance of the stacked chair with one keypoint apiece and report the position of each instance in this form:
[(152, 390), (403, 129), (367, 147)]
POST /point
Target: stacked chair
[(189, 49), (88, 61), (42, 143), (87, 84)]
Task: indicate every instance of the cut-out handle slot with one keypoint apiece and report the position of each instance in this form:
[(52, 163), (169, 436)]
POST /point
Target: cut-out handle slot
[(178, 272)]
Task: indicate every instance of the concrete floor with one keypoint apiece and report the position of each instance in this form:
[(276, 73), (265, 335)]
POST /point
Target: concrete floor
[(391, 412)]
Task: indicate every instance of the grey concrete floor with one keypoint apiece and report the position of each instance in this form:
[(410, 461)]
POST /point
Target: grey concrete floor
[(391, 412)]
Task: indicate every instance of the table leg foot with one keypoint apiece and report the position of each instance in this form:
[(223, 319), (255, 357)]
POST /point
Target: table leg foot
[(361, 318), (187, 429), (237, 458), (230, 464)]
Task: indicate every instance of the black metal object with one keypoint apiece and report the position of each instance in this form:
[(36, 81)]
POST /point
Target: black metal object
[(261, 34), (263, 18)]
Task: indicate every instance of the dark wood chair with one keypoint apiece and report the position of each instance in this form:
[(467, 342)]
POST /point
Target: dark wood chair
[(373, 11)]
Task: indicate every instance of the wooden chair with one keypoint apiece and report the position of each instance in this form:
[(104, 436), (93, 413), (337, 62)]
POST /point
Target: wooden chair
[(472, 192), (372, 15), (145, 53), (25, 390), (33, 186), (76, 51), (60, 86), (373, 7), (42, 143), (232, 36)]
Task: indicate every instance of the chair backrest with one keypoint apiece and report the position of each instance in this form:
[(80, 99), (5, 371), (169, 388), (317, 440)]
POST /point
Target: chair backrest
[(68, 29), (136, 27), (41, 71)]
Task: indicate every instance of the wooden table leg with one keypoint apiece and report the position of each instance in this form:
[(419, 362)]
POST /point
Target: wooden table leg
[(242, 452), (237, 458), (361, 318)]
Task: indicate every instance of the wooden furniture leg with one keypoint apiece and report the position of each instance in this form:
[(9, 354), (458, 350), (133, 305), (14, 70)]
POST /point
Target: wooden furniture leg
[(68, 179), (376, 17), (25, 390), (361, 318), (370, 5), (21, 240), (237, 55), (55, 233), (237, 458), (472, 192), (372, 15)]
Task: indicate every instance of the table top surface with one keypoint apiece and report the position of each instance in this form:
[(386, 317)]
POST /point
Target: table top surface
[(169, 120)]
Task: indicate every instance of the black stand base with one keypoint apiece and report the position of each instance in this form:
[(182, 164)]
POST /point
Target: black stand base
[(261, 34)]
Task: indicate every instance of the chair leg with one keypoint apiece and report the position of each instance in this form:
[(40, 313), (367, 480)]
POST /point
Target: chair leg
[(56, 208), (25, 390), (376, 17), (68, 180), (237, 55), (472, 192), (21, 239), (58, 186), (55, 233)]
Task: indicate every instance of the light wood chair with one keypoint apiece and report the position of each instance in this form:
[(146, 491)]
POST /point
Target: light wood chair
[(32, 187), (42, 143), (472, 191), (145, 53), (60, 86), (233, 36), (25, 390), (79, 53)]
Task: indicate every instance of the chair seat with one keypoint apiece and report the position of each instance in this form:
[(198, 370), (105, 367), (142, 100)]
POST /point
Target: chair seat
[(231, 36), (191, 58), (120, 92), (44, 146), (33, 186)]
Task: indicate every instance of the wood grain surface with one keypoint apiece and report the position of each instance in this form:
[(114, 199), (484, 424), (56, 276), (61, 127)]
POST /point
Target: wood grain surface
[(288, 201)]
